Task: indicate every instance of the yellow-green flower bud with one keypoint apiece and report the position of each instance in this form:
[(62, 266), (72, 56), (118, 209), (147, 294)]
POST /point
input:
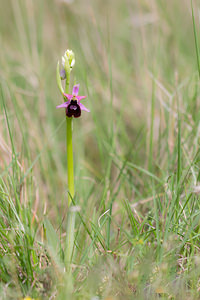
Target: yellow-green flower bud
[(68, 60)]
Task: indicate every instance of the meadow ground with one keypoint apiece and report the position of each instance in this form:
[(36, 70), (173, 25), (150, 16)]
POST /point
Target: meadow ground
[(137, 175)]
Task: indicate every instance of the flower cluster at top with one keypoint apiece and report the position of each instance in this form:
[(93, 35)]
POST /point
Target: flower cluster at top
[(73, 105), (68, 61)]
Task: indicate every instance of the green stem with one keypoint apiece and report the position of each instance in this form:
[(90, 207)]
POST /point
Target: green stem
[(70, 235), (67, 82), (70, 162), (70, 174)]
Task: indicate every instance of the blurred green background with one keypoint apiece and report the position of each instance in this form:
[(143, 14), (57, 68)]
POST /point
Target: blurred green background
[(137, 63), (120, 48)]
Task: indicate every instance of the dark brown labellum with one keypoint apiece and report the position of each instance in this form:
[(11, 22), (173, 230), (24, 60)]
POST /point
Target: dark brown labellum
[(73, 109)]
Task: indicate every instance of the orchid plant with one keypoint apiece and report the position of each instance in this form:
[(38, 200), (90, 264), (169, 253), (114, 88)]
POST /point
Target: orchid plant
[(73, 108)]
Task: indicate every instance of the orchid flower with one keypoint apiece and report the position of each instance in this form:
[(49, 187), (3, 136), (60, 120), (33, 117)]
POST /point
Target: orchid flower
[(73, 105)]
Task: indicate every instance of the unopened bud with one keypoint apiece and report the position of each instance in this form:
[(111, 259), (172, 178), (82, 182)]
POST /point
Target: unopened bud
[(62, 74), (68, 60)]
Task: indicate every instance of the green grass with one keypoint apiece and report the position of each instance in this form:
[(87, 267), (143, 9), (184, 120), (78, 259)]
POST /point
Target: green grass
[(137, 174)]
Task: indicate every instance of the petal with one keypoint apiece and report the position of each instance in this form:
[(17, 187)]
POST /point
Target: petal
[(68, 96), (63, 105), (80, 97), (73, 62), (63, 61), (83, 107), (75, 90)]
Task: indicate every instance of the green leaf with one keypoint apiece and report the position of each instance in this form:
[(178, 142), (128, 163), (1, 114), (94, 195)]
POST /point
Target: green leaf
[(52, 238), (58, 79)]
